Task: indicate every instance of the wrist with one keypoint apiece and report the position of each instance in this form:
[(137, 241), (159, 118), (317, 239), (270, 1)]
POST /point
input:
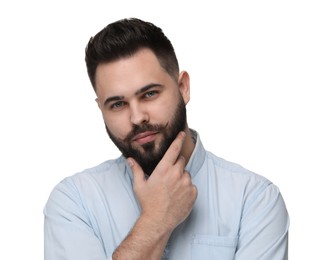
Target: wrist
[(157, 227)]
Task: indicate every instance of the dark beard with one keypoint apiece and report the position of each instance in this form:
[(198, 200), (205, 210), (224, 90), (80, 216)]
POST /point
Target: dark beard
[(150, 157)]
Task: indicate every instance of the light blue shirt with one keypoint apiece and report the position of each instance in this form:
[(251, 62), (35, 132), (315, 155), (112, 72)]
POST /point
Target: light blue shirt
[(237, 215)]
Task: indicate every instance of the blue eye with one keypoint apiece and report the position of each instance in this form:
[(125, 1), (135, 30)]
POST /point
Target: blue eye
[(117, 105), (150, 94)]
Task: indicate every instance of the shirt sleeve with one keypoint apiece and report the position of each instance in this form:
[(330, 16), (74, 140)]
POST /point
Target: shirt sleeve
[(67, 231), (264, 226)]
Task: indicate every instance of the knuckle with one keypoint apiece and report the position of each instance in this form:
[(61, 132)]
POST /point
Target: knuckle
[(187, 179), (162, 168), (182, 159), (177, 174)]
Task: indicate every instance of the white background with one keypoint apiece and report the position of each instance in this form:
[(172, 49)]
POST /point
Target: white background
[(260, 80)]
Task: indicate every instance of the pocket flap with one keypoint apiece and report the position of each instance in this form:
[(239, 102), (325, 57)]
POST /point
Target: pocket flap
[(213, 247)]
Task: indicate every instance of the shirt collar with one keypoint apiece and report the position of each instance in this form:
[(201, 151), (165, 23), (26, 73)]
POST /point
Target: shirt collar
[(198, 155)]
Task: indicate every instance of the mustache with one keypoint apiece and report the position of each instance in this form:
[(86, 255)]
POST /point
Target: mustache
[(138, 129)]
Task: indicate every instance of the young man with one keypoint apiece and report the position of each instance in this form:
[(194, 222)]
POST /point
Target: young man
[(166, 197)]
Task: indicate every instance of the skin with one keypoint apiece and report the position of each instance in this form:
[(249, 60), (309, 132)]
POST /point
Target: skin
[(168, 195)]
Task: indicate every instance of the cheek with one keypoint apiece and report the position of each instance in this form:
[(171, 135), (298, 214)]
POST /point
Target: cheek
[(118, 126), (167, 109), (161, 113)]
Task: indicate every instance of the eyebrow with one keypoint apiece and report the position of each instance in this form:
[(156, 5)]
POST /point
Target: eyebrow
[(138, 92)]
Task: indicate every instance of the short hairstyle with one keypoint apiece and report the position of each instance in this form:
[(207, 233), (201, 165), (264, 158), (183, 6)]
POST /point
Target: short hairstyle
[(124, 38)]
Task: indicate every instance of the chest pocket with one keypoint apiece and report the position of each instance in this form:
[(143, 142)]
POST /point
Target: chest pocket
[(213, 247)]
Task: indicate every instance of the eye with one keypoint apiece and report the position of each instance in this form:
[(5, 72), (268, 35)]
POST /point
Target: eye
[(117, 105), (150, 94)]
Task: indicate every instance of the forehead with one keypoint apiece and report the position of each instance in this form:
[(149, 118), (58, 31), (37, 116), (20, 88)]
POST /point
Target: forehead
[(130, 73)]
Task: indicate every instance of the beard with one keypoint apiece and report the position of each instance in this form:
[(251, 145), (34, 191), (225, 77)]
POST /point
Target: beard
[(149, 154)]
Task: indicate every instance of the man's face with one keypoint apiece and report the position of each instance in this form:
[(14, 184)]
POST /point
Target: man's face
[(142, 106)]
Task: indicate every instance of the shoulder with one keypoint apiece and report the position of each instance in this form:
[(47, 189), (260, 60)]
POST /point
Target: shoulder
[(251, 191), (237, 181), (108, 176), (233, 171), (110, 169)]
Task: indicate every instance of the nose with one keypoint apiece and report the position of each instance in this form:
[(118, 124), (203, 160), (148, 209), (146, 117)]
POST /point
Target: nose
[(138, 114)]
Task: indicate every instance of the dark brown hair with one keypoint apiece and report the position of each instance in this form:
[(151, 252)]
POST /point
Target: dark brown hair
[(124, 38)]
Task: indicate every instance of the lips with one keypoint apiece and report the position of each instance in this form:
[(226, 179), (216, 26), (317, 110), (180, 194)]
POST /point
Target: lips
[(145, 137)]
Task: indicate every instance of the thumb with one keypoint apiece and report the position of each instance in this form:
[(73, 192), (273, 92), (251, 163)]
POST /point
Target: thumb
[(138, 173)]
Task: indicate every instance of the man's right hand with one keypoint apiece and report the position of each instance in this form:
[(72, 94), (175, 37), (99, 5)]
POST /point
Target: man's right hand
[(166, 199), (168, 195)]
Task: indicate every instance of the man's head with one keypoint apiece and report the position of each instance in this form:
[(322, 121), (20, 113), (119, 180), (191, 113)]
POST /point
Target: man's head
[(140, 92), (123, 39)]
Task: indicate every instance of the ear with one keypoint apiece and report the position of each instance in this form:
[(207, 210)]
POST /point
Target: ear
[(184, 86), (98, 102)]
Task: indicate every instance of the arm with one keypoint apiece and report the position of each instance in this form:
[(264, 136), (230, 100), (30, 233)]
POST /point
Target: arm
[(166, 199), (68, 233), (264, 226)]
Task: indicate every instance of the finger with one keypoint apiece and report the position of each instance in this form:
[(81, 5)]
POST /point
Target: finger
[(138, 173), (180, 164), (181, 161), (171, 155)]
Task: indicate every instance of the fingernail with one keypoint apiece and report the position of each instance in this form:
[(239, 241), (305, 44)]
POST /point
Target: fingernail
[(183, 133)]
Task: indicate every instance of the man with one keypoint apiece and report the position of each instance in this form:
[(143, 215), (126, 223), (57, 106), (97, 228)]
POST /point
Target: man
[(166, 197)]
